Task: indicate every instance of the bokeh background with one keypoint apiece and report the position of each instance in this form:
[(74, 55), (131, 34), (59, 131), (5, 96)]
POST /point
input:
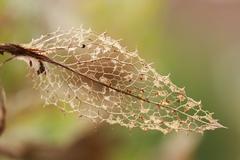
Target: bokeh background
[(198, 42)]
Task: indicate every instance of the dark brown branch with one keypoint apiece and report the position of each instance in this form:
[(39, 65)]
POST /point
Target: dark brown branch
[(2, 110)]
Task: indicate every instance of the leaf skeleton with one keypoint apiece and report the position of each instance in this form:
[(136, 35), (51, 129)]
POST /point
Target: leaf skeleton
[(123, 88)]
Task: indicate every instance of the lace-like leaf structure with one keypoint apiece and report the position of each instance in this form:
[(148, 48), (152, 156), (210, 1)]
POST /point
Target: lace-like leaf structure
[(99, 79)]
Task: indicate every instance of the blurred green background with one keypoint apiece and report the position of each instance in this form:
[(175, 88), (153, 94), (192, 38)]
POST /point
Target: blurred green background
[(198, 42)]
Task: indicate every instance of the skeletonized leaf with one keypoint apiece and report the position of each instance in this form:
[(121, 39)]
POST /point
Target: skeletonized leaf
[(96, 77)]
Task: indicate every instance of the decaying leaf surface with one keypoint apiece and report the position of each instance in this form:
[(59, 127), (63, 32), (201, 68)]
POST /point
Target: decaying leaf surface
[(93, 75)]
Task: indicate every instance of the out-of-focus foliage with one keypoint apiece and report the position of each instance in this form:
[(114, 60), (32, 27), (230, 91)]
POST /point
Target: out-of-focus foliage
[(197, 42)]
